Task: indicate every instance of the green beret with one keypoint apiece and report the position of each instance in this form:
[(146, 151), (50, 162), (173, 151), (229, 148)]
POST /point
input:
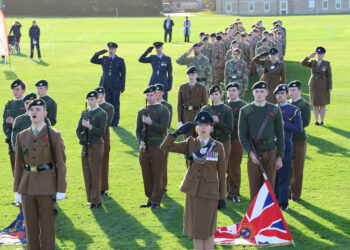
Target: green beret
[(92, 93), (280, 87), (191, 70), (233, 85), (295, 83), (100, 90), (159, 87), (260, 85), (150, 89), (214, 88), (41, 83), (234, 42), (30, 96), (112, 45), (37, 102), (16, 83)]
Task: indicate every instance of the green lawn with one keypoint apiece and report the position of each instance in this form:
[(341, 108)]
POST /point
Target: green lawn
[(320, 221)]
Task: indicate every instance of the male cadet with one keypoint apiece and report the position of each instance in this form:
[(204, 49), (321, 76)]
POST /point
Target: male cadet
[(90, 130), (13, 108), (223, 119), (262, 122), (191, 98), (42, 87), (39, 179), (109, 109), (218, 59), (221, 64), (262, 50), (168, 28), (34, 34), (201, 35), (208, 51), (159, 98), (292, 123), (236, 70), (162, 70), (151, 126), (229, 56), (236, 153), (203, 67), (113, 77), (22, 122), (299, 140)]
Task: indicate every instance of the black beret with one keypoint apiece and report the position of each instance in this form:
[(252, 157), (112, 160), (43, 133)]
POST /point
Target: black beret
[(149, 89), (273, 51), (218, 37), (320, 50), (37, 102), (157, 44), (191, 70), (30, 96), (212, 35), (280, 87), (264, 39), (237, 33), (16, 83), (92, 93), (243, 34), (196, 45), (100, 90), (250, 34), (112, 45), (205, 38), (159, 87), (214, 88), (295, 83), (204, 117), (234, 41), (260, 85), (233, 85), (41, 83)]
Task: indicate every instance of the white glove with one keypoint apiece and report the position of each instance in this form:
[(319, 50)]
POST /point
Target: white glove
[(180, 124), (18, 197), (60, 196)]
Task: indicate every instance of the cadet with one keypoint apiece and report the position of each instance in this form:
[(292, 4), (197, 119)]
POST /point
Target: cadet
[(91, 128), (274, 71), (22, 122), (109, 109), (237, 70), (204, 183), (39, 178), (162, 70), (200, 62), (159, 96), (42, 88), (299, 140), (235, 157), (13, 108), (221, 65), (113, 77), (262, 122), (259, 51), (234, 45), (208, 51), (217, 61), (191, 98), (223, 119), (34, 34), (292, 123), (151, 126)]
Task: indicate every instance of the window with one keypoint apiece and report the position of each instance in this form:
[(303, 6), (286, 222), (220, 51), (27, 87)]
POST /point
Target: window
[(324, 4), (267, 6), (251, 6), (283, 5), (338, 4), (311, 4), (228, 7)]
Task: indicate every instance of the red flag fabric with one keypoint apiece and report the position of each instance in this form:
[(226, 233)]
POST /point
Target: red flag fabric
[(4, 46)]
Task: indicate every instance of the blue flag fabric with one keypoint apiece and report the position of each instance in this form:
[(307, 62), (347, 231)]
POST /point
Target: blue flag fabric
[(14, 234)]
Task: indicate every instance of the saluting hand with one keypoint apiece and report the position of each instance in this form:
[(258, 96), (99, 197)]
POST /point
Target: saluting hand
[(279, 163), (149, 50), (312, 55), (101, 52), (190, 51), (147, 120)]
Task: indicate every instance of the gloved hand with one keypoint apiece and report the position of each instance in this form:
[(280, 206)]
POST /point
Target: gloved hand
[(222, 204), (101, 52), (18, 197), (179, 124), (149, 49), (60, 196), (265, 53), (184, 128)]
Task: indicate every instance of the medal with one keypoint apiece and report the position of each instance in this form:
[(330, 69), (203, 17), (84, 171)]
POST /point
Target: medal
[(272, 67)]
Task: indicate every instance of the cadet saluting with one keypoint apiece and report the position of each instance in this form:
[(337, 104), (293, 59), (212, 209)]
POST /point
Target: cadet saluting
[(162, 70), (204, 182), (113, 77)]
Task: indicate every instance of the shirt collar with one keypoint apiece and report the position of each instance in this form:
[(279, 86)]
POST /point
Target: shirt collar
[(41, 126), (112, 57), (93, 109), (161, 55), (205, 140), (219, 103), (260, 105), (20, 99), (283, 104), (296, 99)]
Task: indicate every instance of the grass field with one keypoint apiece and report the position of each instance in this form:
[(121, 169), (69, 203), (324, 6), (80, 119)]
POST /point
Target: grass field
[(320, 221)]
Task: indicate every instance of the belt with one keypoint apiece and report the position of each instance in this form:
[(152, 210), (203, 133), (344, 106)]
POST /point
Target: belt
[(201, 79), (38, 168), (191, 107), (268, 141)]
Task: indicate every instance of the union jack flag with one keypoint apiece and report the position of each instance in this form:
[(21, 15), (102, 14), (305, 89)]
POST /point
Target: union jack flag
[(263, 224)]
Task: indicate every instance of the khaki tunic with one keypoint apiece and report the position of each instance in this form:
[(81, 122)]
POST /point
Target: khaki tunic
[(204, 186), (320, 82)]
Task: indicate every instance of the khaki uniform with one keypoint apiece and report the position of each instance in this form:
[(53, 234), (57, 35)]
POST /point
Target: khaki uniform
[(92, 163), (190, 101), (216, 66), (274, 74), (237, 72), (222, 61), (37, 188), (204, 186), (165, 172), (320, 82)]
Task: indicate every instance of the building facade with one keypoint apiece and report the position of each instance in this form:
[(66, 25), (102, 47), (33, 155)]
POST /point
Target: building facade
[(181, 5), (281, 7)]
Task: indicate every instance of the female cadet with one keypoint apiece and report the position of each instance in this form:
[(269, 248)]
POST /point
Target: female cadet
[(320, 83), (204, 182)]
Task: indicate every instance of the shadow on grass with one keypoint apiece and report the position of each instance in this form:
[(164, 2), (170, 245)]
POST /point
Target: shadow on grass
[(326, 147), (66, 231), (41, 62), (339, 131), (10, 75), (128, 139), (21, 55), (232, 210), (122, 229)]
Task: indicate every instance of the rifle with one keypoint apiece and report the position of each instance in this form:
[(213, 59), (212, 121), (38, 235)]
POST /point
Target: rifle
[(9, 131), (53, 157), (86, 133), (145, 129), (257, 157)]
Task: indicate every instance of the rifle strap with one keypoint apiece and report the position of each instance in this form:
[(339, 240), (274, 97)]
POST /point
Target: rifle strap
[(263, 126)]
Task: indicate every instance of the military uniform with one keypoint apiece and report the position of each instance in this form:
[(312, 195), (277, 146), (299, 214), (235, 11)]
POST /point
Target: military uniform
[(271, 144), (51, 105), (229, 55), (218, 59), (92, 162), (237, 72), (208, 51), (259, 51), (152, 159)]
